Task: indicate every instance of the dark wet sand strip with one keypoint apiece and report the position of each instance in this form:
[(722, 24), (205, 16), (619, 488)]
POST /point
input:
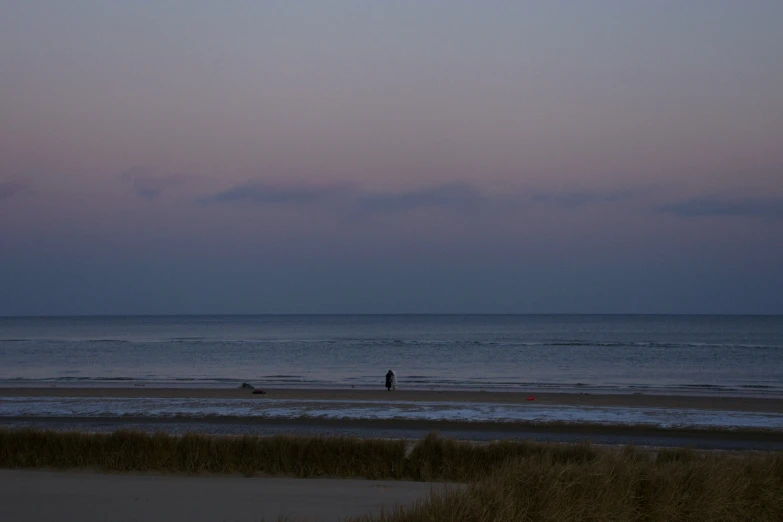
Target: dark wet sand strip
[(637, 435), (743, 404)]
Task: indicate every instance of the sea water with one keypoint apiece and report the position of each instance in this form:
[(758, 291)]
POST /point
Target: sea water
[(704, 355)]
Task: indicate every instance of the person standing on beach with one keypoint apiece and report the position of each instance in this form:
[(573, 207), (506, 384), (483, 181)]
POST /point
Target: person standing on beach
[(391, 380)]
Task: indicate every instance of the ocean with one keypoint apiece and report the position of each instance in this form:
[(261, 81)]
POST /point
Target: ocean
[(656, 354)]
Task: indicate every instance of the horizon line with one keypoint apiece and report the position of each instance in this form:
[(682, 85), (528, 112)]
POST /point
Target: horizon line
[(399, 314)]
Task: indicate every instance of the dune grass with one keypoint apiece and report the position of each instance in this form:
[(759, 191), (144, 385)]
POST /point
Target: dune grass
[(431, 459), (508, 481), (435, 458), (133, 451), (628, 486)]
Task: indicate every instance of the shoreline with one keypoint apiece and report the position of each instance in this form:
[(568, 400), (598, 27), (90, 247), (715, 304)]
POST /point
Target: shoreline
[(425, 426), (530, 388), (738, 423), (587, 400)]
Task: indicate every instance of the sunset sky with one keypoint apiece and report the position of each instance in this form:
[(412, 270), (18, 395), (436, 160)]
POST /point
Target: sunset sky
[(619, 156)]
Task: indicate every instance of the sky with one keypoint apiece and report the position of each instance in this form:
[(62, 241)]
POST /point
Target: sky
[(445, 156)]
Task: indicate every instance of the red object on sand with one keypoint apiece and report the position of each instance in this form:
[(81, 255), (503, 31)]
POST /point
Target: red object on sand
[(531, 398)]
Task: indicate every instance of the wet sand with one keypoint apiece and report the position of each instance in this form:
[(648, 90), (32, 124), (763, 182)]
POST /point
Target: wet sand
[(33, 495), (744, 404), (412, 430)]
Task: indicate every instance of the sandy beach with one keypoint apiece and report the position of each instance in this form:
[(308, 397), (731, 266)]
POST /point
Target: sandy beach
[(34, 495), (742, 404)]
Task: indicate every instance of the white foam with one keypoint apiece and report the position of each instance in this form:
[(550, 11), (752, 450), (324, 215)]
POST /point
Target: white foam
[(379, 410)]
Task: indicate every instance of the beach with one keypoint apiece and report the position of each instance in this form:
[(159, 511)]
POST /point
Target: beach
[(645, 420), (612, 421)]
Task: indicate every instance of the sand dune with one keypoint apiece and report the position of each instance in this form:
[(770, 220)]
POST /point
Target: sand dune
[(43, 495)]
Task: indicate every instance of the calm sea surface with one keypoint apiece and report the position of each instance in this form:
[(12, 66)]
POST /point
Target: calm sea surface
[(721, 355)]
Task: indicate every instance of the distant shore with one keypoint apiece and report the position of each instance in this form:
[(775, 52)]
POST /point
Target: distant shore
[(712, 403)]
